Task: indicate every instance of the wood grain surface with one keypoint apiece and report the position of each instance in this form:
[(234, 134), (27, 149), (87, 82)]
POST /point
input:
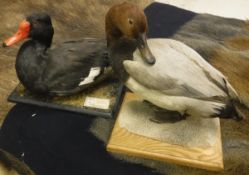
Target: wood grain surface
[(124, 142)]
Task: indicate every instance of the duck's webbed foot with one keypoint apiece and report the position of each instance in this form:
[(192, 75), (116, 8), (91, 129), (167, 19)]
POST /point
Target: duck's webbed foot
[(164, 116)]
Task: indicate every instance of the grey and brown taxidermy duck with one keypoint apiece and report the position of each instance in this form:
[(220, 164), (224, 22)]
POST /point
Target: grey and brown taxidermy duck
[(165, 72)]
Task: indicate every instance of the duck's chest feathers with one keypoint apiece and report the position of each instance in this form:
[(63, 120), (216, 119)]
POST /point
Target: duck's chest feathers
[(122, 50), (117, 65), (30, 61)]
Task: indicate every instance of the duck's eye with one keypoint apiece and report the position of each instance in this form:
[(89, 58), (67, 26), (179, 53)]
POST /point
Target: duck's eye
[(130, 21), (35, 23)]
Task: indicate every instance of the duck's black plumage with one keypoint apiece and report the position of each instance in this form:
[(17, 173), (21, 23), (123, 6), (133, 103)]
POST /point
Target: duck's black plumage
[(61, 70)]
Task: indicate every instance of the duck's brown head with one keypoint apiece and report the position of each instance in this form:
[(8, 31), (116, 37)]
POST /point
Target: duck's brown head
[(126, 22)]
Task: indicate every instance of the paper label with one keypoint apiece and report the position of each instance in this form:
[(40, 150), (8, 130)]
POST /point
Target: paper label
[(100, 103)]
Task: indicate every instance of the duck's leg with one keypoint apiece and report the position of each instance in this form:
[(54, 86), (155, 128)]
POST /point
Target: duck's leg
[(164, 115)]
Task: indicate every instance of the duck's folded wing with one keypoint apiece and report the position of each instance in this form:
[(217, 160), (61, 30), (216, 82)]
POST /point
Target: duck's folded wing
[(85, 50), (196, 58), (215, 75), (166, 84), (75, 63)]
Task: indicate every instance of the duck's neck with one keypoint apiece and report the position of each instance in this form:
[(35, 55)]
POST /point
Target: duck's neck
[(44, 41), (41, 47), (29, 62), (32, 50), (118, 52), (43, 36), (38, 44), (31, 53)]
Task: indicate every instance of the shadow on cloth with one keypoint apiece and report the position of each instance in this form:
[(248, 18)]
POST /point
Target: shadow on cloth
[(56, 142)]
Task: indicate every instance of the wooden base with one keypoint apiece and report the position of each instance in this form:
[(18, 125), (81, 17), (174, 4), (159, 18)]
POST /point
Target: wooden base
[(125, 142)]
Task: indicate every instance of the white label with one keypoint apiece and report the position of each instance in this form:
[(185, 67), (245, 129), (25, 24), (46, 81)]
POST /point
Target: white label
[(97, 103)]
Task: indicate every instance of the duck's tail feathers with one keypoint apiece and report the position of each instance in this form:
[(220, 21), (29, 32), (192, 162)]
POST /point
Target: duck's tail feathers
[(232, 111), (231, 91), (233, 95), (233, 106)]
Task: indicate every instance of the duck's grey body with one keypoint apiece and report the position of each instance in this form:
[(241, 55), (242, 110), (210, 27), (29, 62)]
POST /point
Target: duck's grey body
[(180, 80)]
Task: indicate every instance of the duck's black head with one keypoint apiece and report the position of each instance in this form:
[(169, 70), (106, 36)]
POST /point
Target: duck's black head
[(41, 28), (37, 26)]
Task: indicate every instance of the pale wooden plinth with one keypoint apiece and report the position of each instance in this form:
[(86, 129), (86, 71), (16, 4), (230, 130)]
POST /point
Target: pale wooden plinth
[(125, 142)]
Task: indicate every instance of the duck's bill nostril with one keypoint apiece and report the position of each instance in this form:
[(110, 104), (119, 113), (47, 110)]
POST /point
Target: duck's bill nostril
[(4, 45)]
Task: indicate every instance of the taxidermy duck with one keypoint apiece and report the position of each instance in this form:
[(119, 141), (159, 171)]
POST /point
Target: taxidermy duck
[(67, 69), (171, 75)]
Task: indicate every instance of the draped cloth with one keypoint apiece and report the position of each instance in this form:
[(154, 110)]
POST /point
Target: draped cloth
[(54, 142)]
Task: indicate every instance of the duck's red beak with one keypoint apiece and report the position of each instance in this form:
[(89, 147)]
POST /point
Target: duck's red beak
[(22, 33)]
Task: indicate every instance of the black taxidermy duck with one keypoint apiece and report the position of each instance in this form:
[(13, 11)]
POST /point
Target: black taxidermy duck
[(67, 69), (165, 72)]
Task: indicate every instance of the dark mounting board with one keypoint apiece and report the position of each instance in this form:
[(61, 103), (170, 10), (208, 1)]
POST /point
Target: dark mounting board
[(109, 89)]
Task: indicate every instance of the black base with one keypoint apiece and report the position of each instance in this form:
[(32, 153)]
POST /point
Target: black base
[(66, 103)]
